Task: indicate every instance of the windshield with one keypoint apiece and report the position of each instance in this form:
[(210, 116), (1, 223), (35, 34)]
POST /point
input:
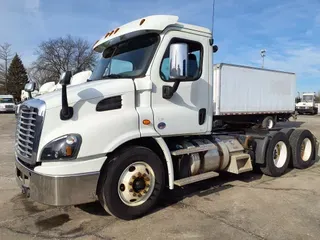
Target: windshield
[(6, 100), (307, 98), (126, 59)]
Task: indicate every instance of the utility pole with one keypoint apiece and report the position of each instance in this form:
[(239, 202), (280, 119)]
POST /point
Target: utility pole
[(263, 54)]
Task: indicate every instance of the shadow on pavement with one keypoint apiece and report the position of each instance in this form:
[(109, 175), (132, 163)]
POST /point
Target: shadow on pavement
[(94, 208), (201, 189), (290, 124)]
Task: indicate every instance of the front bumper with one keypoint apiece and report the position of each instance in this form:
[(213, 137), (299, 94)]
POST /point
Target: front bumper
[(11, 110), (57, 190), (304, 110)]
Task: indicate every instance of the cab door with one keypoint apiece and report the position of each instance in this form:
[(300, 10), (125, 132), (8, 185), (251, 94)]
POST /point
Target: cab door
[(186, 111)]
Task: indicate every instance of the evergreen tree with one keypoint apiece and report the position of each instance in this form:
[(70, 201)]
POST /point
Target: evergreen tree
[(17, 77)]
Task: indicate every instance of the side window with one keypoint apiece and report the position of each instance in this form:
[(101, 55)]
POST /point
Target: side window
[(195, 53)]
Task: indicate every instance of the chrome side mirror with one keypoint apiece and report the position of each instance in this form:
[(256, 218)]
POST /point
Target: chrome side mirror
[(65, 78), (29, 87), (178, 60)]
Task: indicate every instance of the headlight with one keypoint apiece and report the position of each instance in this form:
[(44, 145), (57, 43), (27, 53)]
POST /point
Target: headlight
[(64, 148)]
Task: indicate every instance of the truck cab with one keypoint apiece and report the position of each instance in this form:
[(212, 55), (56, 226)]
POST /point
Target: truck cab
[(307, 103), (140, 123), (7, 103)]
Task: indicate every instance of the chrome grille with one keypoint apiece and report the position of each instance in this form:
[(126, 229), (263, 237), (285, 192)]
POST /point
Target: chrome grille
[(28, 130)]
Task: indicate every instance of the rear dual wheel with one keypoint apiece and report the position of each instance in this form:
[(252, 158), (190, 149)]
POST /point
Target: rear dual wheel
[(298, 145), (303, 148), (277, 155)]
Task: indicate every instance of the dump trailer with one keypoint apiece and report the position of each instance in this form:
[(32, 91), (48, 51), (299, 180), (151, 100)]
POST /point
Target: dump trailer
[(143, 122), (259, 96)]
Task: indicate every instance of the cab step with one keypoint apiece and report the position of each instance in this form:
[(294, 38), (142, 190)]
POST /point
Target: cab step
[(196, 178)]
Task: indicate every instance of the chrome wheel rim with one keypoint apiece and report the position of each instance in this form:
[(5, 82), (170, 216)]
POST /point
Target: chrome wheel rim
[(136, 184)]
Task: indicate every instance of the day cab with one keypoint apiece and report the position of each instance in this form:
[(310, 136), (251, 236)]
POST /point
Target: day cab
[(140, 123)]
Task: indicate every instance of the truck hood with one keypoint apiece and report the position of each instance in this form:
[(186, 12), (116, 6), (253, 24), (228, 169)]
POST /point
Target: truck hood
[(88, 90), (304, 104)]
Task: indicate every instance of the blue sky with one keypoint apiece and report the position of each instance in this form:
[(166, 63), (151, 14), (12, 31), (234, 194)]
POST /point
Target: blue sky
[(288, 30)]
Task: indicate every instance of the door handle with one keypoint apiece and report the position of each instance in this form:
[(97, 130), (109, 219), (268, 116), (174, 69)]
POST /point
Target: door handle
[(202, 116)]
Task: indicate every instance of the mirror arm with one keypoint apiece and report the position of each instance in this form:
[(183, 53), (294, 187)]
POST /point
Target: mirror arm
[(175, 86), (66, 111)]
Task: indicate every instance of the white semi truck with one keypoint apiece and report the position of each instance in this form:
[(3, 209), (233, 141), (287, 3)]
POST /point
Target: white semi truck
[(143, 122), (307, 104)]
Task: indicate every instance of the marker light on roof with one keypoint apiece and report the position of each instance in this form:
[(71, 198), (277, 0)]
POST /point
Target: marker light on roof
[(142, 21)]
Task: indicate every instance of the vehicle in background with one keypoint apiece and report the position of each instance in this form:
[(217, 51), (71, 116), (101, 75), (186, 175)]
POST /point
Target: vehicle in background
[(143, 122), (7, 103), (258, 96), (51, 86), (307, 104)]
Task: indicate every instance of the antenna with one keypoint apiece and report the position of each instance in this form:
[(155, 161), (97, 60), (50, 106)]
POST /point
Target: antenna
[(213, 4)]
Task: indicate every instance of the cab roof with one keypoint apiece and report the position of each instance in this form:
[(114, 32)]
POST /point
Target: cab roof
[(154, 23)]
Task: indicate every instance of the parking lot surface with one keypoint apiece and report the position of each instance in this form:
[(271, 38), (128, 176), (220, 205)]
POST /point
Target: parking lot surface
[(247, 206)]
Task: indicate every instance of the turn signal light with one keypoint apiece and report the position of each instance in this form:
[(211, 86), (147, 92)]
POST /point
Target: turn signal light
[(68, 151), (146, 122)]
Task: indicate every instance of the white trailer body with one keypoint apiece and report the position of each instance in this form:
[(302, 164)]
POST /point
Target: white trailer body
[(247, 90)]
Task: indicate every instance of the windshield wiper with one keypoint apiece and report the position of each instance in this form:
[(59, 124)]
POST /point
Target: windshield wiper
[(113, 76)]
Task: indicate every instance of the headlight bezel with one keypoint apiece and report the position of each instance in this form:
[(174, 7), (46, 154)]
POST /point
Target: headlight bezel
[(58, 147)]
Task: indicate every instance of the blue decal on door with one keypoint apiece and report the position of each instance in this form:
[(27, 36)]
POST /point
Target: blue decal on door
[(161, 125)]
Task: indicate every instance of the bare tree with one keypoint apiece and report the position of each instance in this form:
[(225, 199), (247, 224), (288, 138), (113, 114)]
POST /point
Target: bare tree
[(6, 56), (318, 97), (40, 76), (61, 54)]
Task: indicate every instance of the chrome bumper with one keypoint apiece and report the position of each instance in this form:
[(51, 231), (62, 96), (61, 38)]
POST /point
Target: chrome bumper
[(57, 190)]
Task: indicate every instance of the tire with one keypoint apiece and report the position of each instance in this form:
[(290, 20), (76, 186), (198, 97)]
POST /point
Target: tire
[(302, 140), (268, 122), (315, 111), (277, 155), (287, 131), (142, 182)]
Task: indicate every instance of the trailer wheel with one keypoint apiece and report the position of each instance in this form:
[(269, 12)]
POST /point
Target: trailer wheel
[(133, 182), (277, 155), (302, 147), (268, 122)]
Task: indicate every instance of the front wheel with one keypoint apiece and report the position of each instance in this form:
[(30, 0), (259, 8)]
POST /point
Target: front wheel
[(132, 183)]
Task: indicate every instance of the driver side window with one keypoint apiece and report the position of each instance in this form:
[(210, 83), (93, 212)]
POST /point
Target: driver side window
[(195, 53)]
